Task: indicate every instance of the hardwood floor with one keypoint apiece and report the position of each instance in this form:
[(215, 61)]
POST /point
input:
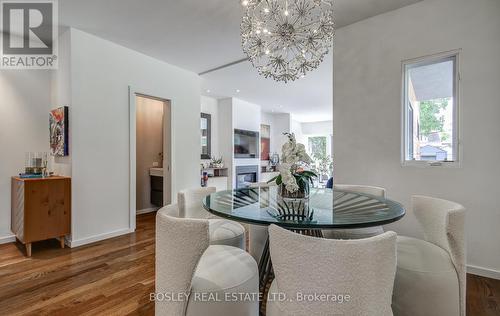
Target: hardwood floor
[(115, 277), (483, 296), (112, 277)]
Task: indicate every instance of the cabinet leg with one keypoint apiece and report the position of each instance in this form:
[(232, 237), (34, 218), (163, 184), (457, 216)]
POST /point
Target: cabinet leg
[(61, 240), (28, 249)]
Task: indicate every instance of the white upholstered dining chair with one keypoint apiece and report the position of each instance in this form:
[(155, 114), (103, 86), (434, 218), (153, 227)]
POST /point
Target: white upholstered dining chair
[(221, 231), (356, 233), (188, 269), (357, 274), (190, 202), (258, 233), (431, 273)]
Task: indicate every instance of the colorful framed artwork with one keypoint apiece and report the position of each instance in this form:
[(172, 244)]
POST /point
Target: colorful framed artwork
[(265, 141), (58, 128)]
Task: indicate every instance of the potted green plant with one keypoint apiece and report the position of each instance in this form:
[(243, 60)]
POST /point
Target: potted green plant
[(216, 162)]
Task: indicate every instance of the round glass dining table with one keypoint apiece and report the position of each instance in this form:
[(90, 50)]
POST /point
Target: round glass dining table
[(324, 209)]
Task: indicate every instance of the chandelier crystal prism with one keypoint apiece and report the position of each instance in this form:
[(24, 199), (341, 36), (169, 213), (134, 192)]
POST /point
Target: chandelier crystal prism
[(285, 39)]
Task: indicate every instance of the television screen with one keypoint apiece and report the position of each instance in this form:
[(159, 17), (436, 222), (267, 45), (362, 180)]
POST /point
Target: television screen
[(246, 144)]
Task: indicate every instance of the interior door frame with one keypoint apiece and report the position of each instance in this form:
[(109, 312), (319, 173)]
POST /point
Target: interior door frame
[(168, 136)]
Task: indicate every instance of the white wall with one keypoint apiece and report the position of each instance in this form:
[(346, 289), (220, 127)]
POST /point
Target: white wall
[(246, 116), (317, 128), (210, 106), (367, 112), (282, 123), (226, 138), (296, 129), (61, 96), (24, 126), (266, 118), (101, 75)]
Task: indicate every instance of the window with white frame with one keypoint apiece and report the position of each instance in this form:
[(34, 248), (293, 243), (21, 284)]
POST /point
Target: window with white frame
[(430, 101)]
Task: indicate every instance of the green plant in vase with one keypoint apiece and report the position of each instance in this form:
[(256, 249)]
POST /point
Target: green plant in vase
[(217, 162), (294, 179)]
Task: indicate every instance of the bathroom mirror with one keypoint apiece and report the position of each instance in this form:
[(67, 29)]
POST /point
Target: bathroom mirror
[(206, 131)]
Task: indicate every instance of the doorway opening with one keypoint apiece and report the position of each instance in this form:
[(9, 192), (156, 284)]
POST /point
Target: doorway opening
[(152, 153)]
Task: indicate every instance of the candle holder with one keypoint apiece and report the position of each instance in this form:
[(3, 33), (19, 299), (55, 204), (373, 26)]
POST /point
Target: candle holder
[(35, 163)]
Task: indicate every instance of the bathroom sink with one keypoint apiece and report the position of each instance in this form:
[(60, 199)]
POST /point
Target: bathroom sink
[(157, 172)]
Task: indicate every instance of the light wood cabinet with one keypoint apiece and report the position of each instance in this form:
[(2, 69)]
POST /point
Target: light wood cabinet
[(41, 209)]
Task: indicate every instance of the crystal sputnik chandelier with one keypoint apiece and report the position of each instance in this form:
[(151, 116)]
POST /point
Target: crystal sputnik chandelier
[(284, 39)]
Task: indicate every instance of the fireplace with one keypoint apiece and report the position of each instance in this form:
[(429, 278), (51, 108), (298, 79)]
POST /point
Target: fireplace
[(246, 175)]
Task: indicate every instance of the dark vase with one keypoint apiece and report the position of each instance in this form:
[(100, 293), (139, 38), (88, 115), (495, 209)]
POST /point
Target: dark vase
[(301, 193), (294, 206)]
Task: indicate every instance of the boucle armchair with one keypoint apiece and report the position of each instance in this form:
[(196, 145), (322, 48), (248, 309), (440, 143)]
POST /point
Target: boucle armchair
[(431, 274), (362, 269), (221, 231), (191, 202), (356, 233), (188, 269)]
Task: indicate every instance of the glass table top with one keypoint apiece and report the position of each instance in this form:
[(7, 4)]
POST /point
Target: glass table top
[(324, 209)]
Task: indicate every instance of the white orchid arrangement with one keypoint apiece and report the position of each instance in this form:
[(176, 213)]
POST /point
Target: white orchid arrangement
[(293, 160)]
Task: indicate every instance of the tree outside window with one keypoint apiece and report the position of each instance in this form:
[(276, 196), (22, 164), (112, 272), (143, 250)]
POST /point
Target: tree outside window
[(323, 164), (317, 145), (432, 118)]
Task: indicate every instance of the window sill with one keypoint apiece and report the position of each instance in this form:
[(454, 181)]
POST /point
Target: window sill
[(431, 164)]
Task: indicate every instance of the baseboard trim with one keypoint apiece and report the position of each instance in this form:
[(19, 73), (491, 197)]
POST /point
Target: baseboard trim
[(7, 238), (147, 210), (96, 238), (484, 272)]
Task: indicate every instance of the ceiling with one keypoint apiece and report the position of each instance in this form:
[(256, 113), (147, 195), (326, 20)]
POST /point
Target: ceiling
[(202, 35), (308, 99)]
